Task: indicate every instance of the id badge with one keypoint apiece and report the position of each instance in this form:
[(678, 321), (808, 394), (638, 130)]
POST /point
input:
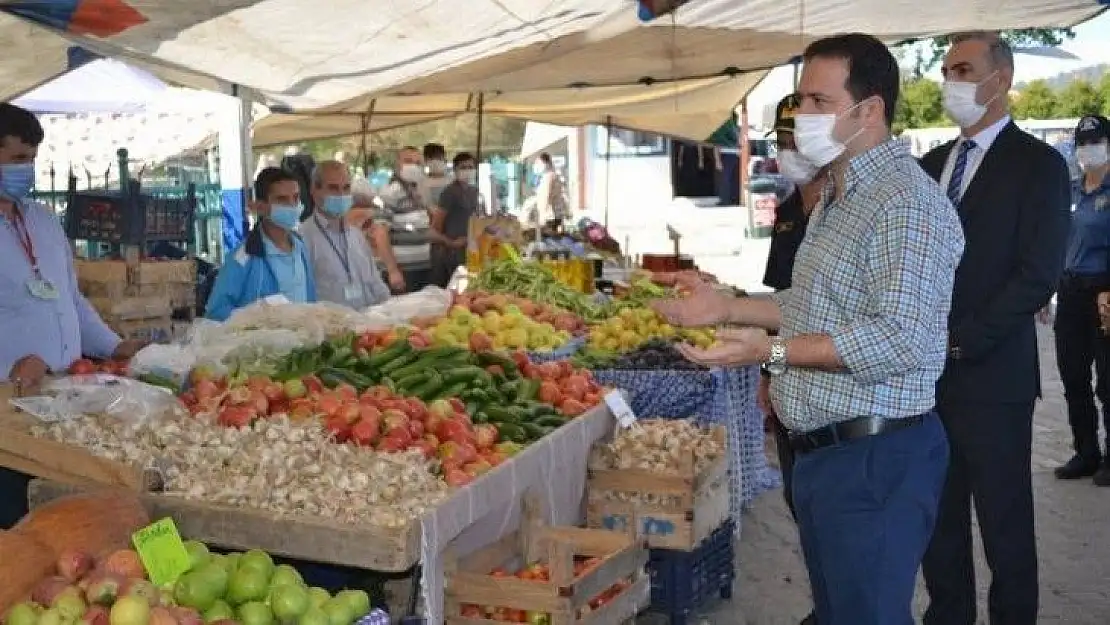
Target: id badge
[(42, 289), (352, 293)]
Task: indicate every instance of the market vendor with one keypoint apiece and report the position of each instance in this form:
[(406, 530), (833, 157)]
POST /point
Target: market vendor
[(274, 259), (45, 321), (341, 258), (458, 202)]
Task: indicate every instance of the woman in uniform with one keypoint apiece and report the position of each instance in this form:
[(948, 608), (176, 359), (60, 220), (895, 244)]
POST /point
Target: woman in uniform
[(1086, 274), (790, 228)]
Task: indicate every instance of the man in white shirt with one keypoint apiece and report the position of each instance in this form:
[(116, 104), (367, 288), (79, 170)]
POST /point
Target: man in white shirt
[(344, 266)]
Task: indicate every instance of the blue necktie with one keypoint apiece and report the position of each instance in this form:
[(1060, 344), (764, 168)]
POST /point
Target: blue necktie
[(956, 181)]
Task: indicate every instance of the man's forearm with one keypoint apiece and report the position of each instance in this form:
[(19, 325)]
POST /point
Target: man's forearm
[(813, 351), (384, 248), (759, 311)]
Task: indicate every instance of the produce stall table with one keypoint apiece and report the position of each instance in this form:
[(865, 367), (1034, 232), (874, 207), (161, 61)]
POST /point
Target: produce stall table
[(554, 468)]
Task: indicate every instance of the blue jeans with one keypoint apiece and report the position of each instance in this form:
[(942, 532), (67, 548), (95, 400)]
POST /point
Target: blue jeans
[(866, 509)]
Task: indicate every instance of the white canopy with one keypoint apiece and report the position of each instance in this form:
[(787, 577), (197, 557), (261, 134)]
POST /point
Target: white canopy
[(528, 56)]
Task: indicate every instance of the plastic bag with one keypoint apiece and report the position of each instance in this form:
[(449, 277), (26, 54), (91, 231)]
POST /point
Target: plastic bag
[(173, 362), (73, 397), (431, 301)]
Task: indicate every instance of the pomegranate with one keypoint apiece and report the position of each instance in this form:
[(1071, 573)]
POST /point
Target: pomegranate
[(73, 565)]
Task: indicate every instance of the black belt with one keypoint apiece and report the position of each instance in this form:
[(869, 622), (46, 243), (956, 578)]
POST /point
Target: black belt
[(1096, 282), (850, 430)]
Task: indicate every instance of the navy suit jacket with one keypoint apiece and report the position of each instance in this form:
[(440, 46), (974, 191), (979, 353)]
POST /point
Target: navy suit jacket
[(1016, 214)]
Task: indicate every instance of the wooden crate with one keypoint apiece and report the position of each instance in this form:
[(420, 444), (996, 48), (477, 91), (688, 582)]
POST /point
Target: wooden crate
[(565, 597), (115, 279), (130, 308), (690, 504), (164, 272)]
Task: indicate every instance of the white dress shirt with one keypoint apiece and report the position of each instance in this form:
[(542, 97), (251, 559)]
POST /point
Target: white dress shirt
[(983, 141)]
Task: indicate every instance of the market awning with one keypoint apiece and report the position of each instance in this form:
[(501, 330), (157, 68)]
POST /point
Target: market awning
[(305, 54), (689, 109)]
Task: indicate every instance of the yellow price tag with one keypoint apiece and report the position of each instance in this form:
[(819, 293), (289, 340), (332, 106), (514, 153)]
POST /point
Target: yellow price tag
[(162, 551)]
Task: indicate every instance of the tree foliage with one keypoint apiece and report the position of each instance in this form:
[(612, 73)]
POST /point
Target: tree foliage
[(924, 55)]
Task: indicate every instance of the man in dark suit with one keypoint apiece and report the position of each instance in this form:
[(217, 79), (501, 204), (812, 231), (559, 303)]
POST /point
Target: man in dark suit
[(1013, 196)]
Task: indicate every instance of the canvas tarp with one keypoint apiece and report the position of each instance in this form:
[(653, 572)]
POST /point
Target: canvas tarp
[(306, 54)]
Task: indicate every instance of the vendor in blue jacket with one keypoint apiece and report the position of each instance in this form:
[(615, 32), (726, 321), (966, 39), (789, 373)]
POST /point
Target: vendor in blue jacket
[(273, 259)]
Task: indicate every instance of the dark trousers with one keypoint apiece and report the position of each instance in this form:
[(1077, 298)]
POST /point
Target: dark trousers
[(1078, 346), (444, 263), (991, 465), (13, 497), (786, 464), (866, 508)]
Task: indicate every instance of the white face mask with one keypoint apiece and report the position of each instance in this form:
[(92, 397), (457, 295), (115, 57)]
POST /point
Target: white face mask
[(796, 169), (1092, 156), (436, 168), (411, 172), (960, 102), (468, 176), (813, 134)]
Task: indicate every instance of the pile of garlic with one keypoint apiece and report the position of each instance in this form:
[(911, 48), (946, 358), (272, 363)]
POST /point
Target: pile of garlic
[(289, 469), (662, 446)]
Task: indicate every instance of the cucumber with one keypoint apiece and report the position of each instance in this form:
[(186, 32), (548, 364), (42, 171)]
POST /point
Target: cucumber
[(501, 415), (426, 390), (534, 432), (411, 381), (468, 374), (411, 369), (398, 362), (528, 390), (475, 395), (451, 390), (550, 422), (508, 365), (387, 355), (454, 360), (512, 432), (479, 416)]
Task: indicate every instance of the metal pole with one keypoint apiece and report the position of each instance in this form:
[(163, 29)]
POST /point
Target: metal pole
[(608, 163), (481, 119), (744, 150), (365, 145)]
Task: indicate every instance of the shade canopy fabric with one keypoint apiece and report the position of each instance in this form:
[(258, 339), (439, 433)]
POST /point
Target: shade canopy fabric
[(101, 86), (305, 54)]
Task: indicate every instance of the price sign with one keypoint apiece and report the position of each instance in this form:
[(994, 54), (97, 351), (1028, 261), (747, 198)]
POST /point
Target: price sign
[(162, 551), (620, 408)]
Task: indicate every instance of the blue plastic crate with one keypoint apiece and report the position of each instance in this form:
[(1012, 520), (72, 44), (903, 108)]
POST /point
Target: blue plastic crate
[(683, 581)]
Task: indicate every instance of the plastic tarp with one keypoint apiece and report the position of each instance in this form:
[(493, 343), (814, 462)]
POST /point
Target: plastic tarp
[(305, 55)]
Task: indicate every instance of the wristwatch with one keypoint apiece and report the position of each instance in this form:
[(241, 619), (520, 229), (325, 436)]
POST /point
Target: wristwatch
[(776, 363)]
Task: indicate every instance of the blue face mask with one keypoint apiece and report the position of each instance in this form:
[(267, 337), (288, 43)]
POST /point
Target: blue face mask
[(17, 180), (337, 205), (285, 216)]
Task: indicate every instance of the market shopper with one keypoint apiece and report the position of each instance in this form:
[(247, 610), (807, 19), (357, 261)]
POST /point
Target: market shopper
[(273, 260), (45, 321), (400, 234), (862, 335), (551, 199), (1079, 342), (1013, 195), (789, 230), (436, 180), (451, 219), (340, 256)]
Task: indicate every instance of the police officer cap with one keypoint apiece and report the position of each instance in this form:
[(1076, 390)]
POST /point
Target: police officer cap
[(1092, 129), (785, 112)]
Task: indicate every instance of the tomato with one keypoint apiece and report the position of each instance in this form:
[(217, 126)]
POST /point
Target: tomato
[(82, 366), (550, 394)]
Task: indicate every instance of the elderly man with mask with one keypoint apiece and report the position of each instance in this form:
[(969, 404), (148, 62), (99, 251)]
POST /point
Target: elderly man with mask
[(402, 240), (340, 256)]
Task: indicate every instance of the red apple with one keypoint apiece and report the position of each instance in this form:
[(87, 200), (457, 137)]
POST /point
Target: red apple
[(451, 428)]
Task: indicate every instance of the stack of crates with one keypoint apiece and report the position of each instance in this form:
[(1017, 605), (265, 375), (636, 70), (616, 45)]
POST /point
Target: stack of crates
[(683, 517), (137, 298)]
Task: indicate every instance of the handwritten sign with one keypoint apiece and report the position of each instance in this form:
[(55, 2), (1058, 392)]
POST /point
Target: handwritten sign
[(162, 551), (620, 408)]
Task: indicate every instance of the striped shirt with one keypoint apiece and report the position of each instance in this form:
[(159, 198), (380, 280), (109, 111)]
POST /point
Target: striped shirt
[(875, 273)]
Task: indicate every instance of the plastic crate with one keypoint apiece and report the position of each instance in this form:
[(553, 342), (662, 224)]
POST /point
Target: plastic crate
[(128, 216), (683, 581)]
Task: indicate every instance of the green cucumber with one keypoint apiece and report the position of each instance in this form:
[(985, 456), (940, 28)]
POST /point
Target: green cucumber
[(451, 390), (479, 416), (512, 432), (535, 432), (389, 354), (398, 362), (411, 381), (426, 390), (501, 415), (528, 390), (467, 373), (413, 368), (550, 422)]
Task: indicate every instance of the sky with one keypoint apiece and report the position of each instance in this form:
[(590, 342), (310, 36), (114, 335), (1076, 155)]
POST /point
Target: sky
[(1089, 45)]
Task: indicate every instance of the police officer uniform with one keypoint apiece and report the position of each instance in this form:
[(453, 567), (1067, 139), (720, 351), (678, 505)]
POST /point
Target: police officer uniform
[(1086, 274)]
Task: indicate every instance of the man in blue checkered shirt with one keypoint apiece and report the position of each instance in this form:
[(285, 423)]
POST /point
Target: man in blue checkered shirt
[(862, 338)]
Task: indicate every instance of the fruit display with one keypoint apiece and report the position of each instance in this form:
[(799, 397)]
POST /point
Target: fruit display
[(481, 302), (233, 589), (632, 327), (541, 572), (511, 328), (652, 355), (286, 468), (538, 284)]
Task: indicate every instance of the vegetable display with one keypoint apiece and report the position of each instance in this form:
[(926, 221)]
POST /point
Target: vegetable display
[(633, 326), (510, 329), (541, 572), (539, 284), (233, 589), (480, 303), (653, 355)]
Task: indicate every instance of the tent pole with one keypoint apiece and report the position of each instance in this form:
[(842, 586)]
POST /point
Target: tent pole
[(608, 163), (481, 119), (364, 146), (745, 156)]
